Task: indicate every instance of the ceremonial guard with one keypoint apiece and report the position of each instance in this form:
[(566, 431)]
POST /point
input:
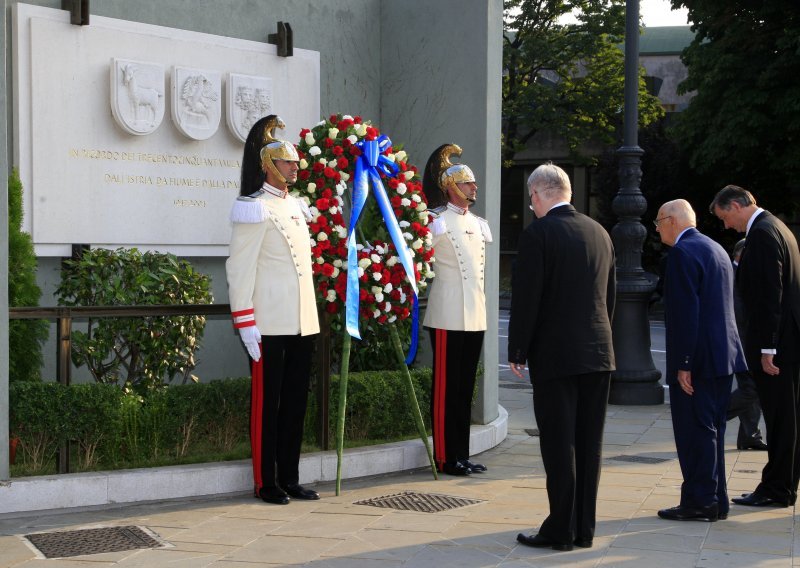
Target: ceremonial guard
[(456, 313), (273, 306)]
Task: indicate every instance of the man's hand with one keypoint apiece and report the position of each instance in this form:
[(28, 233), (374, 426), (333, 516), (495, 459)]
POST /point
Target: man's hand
[(767, 364), (517, 369), (251, 337), (685, 380)]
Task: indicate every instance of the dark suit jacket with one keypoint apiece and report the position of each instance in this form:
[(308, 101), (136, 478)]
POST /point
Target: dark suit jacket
[(768, 278), (563, 294), (701, 332)]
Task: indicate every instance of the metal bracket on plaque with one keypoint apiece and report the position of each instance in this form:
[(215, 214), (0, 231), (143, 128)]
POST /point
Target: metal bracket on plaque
[(283, 39), (78, 11)]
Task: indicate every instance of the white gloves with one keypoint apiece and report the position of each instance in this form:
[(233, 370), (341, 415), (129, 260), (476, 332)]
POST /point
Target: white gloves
[(251, 337)]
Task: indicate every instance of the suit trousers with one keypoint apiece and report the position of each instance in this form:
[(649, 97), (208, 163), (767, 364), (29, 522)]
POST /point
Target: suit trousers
[(455, 362), (279, 394), (698, 422), (571, 413), (780, 403), (744, 405)]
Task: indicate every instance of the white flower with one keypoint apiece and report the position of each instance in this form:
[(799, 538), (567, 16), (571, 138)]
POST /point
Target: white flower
[(333, 133), (388, 288), (392, 260), (419, 267), (390, 157), (313, 210), (321, 122), (341, 231), (323, 161), (377, 276), (303, 164), (375, 258), (401, 156), (401, 188), (402, 297), (387, 307), (333, 210), (422, 206), (331, 296), (416, 244), (364, 262), (422, 283), (311, 187), (392, 319), (416, 197), (379, 249), (337, 263), (376, 289), (405, 202), (310, 139), (407, 236), (359, 246), (353, 138), (315, 151), (335, 272), (361, 129), (322, 236), (320, 260), (379, 297), (341, 186), (347, 117), (429, 239), (403, 224), (345, 176), (376, 313), (408, 174), (423, 217)]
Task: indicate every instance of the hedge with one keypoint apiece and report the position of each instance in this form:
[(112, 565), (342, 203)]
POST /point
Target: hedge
[(111, 428)]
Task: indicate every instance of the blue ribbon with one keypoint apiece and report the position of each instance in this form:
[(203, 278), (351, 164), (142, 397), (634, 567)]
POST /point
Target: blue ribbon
[(369, 166)]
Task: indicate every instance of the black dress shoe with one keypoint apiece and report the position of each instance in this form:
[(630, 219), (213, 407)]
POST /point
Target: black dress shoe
[(474, 467), (299, 492), (583, 543), (456, 468), (274, 495), (539, 541), (756, 500), (755, 445), (722, 516), (681, 513)]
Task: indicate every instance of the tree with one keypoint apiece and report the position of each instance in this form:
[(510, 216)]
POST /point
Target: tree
[(25, 337), (142, 352), (566, 79), (743, 124)]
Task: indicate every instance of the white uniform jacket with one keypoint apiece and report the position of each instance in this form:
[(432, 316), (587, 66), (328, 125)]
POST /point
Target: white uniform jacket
[(270, 284), (456, 300)]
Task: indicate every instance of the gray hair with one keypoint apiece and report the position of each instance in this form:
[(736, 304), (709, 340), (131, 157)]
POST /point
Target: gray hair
[(682, 211), (550, 181), (731, 194)]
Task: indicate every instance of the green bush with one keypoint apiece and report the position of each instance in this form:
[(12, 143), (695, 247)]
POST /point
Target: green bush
[(142, 353), (25, 337), (113, 428)]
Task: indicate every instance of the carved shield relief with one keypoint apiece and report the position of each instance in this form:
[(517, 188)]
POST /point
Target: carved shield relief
[(196, 101), (248, 99), (137, 95)]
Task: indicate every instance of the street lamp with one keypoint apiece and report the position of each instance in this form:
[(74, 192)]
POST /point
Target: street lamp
[(636, 379)]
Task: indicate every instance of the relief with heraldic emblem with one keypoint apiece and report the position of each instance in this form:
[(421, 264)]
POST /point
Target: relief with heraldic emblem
[(196, 101), (137, 95), (248, 99)]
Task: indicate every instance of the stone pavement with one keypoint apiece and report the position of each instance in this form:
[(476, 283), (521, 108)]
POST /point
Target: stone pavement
[(240, 531)]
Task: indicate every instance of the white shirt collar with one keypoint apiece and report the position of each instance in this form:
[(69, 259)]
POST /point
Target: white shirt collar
[(456, 209), (272, 190), (559, 204), (758, 212)]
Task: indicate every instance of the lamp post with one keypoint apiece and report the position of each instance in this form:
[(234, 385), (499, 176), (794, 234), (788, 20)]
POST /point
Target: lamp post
[(636, 379)]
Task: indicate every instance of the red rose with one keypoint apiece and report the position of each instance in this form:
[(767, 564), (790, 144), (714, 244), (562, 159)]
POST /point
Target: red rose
[(395, 294), (382, 318), (323, 286), (386, 277), (322, 221), (342, 163), (372, 133), (393, 183), (333, 118), (304, 174), (327, 269), (329, 172), (317, 167), (303, 132), (404, 313), (355, 151), (321, 182), (322, 204), (328, 142), (357, 119), (338, 150), (331, 307), (327, 193), (396, 201), (402, 165)]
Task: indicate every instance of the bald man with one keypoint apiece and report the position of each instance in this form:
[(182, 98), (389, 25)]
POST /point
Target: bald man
[(703, 353)]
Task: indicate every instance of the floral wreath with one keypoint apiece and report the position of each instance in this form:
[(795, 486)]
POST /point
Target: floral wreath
[(327, 159)]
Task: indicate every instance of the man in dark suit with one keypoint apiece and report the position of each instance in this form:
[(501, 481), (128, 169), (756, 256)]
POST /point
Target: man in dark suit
[(744, 403), (768, 279), (703, 353), (563, 294)]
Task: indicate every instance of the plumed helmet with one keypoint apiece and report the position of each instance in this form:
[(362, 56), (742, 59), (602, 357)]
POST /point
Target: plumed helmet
[(444, 174), (275, 149)]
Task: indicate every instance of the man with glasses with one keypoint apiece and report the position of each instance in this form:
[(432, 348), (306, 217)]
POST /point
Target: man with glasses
[(768, 278)]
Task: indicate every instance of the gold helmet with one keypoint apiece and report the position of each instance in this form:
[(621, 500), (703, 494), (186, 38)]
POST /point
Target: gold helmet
[(275, 149), (452, 174)]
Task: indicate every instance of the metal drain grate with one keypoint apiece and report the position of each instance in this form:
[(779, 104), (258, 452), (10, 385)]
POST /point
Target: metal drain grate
[(640, 459), (420, 502), (524, 386), (532, 431), (63, 544)]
